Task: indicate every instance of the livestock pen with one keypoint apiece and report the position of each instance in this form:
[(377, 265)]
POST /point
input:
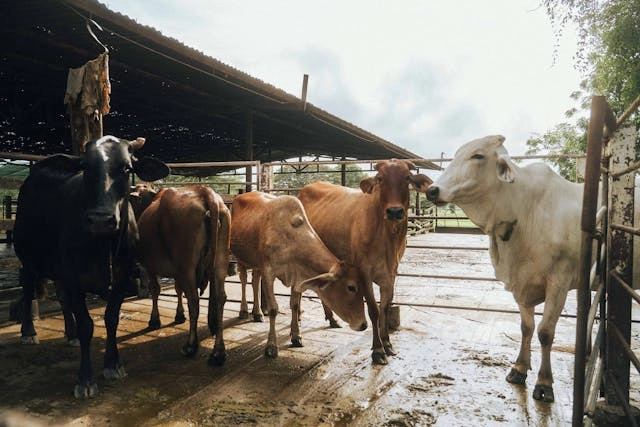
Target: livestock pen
[(458, 335)]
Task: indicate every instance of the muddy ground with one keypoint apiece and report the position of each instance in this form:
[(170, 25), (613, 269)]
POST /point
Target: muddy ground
[(449, 370)]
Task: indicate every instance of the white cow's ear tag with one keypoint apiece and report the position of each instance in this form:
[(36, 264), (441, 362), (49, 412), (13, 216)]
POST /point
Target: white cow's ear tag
[(505, 170)]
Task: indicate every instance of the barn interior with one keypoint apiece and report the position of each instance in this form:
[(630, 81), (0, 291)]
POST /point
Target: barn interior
[(188, 105)]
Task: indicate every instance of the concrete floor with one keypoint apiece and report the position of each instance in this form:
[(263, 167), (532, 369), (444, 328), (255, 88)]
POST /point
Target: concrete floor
[(455, 345)]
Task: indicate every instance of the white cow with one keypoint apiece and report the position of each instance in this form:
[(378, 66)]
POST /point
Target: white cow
[(532, 216)]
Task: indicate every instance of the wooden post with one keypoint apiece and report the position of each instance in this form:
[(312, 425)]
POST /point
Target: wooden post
[(249, 152), (87, 99), (620, 260)]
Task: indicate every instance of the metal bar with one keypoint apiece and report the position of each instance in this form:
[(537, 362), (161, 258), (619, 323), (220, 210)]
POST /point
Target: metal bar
[(633, 167), (213, 164), (630, 230), (455, 248), (624, 400), (435, 276), (594, 392), (625, 346), (593, 311), (594, 357), (624, 285), (634, 105), (589, 203)]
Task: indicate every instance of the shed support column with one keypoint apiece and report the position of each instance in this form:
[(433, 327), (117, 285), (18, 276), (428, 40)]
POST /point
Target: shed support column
[(249, 141)]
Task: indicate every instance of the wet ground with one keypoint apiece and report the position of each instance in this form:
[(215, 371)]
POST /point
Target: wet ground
[(453, 355)]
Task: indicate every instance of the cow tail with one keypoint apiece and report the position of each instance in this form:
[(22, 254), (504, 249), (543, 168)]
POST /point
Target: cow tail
[(212, 218)]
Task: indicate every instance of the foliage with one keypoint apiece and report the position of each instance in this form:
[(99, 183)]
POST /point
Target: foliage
[(565, 138), (222, 184), (608, 55), (301, 176)]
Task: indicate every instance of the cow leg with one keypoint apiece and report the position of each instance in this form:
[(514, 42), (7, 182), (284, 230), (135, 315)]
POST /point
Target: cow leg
[(113, 368), (189, 286), (518, 373), (378, 354), (555, 300), (256, 312), (328, 315), (217, 299), (272, 306), (386, 296), (27, 330), (70, 327), (86, 386), (180, 317), (154, 290), (294, 304), (244, 307)]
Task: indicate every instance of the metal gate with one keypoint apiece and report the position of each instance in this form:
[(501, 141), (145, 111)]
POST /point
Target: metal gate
[(602, 365)]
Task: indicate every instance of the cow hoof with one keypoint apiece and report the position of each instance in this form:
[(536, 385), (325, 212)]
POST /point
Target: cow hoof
[(271, 351), (116, 373), (154, 325), (543, 392), (189, 350), (243, 315), (379, 358), (74, 342), (85, 391), (179, 319), (296, 342), (217, 358), (257, 318), (334, 324), (29, 340), (516, 377), (388, 349)]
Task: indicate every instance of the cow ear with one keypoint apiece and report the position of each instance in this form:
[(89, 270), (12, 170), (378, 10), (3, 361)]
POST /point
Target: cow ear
[(420, 182), (137, 143), (505, 170), (316, 283), (149, 169), (367, 184)]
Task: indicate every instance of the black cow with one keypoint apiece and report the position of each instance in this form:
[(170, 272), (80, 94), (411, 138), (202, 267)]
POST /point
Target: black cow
[(74, 225)]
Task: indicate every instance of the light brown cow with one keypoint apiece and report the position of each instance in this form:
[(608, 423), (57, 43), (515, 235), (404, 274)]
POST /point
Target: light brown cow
[(273, 234), (368, 228), (185, 234), (140, 197)]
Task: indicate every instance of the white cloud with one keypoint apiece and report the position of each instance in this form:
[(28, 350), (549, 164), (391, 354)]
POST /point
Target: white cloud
[(426, 75)]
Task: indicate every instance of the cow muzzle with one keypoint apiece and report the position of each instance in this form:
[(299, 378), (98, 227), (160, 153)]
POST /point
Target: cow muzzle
[(395, 213), (101, 222), (433, 195)]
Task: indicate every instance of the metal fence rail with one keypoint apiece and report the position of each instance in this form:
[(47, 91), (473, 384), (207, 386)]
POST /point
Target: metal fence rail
[(602, 366)]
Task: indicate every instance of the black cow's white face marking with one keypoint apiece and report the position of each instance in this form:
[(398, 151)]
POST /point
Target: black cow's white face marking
[(107, 169)]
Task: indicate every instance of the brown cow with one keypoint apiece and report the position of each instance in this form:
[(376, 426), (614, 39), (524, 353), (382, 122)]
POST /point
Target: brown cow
[(140, 197), (368, 228), (273, 234), (184, 234)]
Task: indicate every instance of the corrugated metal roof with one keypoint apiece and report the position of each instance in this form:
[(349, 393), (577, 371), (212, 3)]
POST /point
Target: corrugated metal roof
[(188, 105)]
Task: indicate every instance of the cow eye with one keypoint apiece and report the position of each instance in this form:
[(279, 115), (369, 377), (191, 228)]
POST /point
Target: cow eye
[(352, 288), (477, 156)]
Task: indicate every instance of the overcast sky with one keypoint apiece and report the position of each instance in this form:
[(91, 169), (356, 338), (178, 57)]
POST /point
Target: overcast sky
[(427, 75)]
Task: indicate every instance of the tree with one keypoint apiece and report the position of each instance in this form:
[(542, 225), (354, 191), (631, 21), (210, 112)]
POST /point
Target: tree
[(608, 48), (303, 176), (565, 138), (608, 54)]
